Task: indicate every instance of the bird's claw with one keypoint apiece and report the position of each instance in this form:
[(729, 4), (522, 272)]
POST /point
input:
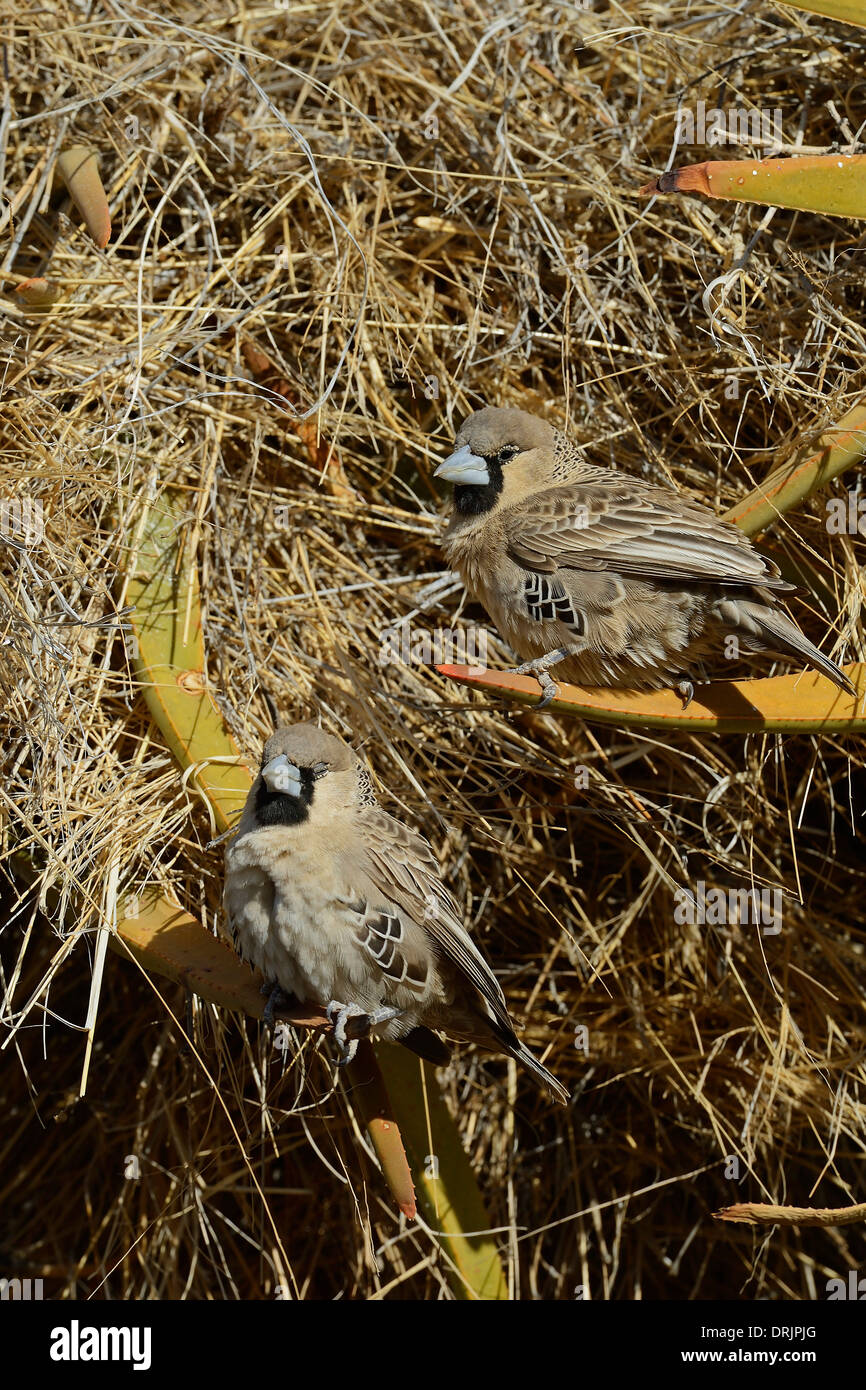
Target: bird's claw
[(685, 688), (341, 1014), (549, 689), (538, 668)]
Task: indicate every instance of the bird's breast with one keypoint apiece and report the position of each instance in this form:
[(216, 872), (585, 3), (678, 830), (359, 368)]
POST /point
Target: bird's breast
[(475, 550), (285, 900)]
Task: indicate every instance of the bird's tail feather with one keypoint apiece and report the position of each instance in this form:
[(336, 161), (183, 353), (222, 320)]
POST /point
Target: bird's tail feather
[(545, 1078), (781, 633), (427, 1044), (496, 1036)]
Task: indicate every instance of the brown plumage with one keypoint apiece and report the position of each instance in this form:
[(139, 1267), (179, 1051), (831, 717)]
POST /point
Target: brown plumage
[(624, 582), (342, 905)]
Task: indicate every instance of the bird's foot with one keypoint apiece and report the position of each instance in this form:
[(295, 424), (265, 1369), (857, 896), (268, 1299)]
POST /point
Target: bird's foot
[(277, 999), (685, 688), (539, 669), (366, 1020)]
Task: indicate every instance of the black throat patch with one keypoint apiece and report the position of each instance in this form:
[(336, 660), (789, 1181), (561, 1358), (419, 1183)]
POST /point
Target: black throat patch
[(281, 808), (473, 500)]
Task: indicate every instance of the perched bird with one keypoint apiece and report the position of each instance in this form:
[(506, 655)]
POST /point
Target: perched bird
[(625, 582), (339, 904)]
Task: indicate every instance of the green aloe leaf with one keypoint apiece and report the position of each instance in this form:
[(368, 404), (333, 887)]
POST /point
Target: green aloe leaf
[(168, 657), (798, 478), (801, 703), (846, 11), (834, 184), (447, 1190)]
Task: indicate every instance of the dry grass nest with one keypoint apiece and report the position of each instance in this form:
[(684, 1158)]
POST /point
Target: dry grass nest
[(409, 211)]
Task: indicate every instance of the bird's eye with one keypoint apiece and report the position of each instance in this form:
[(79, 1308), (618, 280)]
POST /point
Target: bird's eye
[(506, 453), (319, 769)]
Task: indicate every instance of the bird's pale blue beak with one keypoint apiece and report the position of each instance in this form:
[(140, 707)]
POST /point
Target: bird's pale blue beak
[(279, 775), (464, 468)]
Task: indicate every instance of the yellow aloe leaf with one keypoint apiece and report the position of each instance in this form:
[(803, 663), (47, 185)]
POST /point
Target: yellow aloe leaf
[(168, 657), (373, 1099), (169, 942), (79, 169), (797, 478), (447, 1190), (169, 660), (801, 703), (834, 184), (165, 939), (39, 293), (766, 1214), (846, 11)]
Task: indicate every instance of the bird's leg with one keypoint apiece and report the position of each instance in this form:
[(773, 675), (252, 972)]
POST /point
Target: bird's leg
[(538, 668), (277, 999), (685, 688), (340, 1014)]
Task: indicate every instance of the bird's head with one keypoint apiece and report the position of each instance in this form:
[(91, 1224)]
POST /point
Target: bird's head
[(304, 768), (500, 455)]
